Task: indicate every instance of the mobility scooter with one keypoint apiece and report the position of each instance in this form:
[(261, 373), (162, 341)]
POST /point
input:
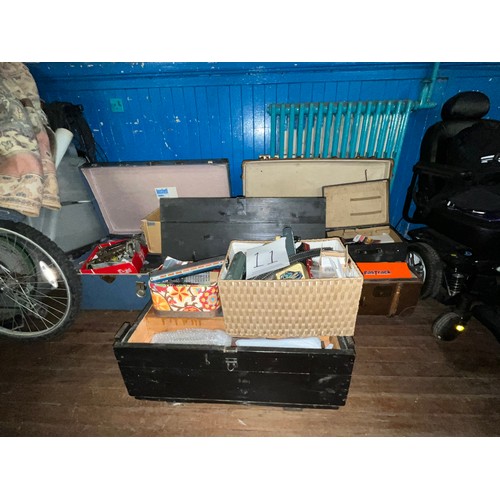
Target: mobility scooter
[(454, 195)]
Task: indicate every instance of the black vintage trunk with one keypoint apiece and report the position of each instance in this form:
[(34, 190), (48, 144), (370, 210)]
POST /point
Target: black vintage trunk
[(198, 228), (269, 376)]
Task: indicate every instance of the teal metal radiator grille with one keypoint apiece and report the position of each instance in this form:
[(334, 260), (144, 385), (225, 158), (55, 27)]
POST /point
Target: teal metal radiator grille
[(339, 129), (358, 129)]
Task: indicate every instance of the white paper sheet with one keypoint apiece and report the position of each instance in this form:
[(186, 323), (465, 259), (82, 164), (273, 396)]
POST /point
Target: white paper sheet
[(266, 258)]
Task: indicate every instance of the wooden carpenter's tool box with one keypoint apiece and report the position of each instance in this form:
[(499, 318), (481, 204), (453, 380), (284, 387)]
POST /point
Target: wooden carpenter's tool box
[(294, 375), (283, 376)]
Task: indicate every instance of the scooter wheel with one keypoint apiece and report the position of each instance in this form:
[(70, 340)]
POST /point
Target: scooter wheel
[(425, 262), (448, 326)]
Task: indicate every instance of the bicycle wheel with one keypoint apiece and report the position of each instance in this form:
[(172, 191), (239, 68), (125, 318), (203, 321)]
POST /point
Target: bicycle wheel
[(39, 288)]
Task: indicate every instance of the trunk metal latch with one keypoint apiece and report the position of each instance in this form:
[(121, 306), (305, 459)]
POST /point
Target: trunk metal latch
[(231, 364), (140, 289)]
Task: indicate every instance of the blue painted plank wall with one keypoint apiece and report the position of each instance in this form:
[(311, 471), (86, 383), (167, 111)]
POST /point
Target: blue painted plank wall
[(219, 110)]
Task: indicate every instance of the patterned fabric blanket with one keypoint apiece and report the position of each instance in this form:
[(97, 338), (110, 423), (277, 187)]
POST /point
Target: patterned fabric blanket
[(27, 172)]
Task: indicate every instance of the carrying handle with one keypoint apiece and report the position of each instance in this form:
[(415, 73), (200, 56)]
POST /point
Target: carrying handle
[(122, 332), (369, 251)]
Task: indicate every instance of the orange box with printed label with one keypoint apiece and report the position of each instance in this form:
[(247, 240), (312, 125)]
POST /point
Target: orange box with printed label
[(385, 270)]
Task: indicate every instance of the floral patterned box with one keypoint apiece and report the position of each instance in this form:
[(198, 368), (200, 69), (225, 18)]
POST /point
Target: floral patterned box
[(184, 299)]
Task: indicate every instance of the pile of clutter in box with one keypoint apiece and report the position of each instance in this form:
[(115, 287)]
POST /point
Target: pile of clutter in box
[(250, 299), (275, 284)]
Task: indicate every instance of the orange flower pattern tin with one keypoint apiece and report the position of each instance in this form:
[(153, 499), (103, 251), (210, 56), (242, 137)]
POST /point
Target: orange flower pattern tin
[(185, 298)]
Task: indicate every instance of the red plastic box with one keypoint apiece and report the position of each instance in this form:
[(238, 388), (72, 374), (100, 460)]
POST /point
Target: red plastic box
[(132, 266)]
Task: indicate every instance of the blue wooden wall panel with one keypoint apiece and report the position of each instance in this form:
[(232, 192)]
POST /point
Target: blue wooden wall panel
[(317, 92), (193, 127), (155, 132), (259, 113), (331, 91), (111, 123), (150, 125), (224, 112), (213, 122), (203, 123), (247, 109), (270, 96), (178, 119), (166, 119), (236, 127), (212, 110), (294, 90)]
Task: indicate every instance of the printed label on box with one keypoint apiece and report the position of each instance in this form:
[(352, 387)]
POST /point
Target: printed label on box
[(166, 192), (387, 270)]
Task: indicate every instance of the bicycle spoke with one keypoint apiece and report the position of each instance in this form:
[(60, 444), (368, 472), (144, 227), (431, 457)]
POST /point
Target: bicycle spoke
[(34, 292), (33, 300)]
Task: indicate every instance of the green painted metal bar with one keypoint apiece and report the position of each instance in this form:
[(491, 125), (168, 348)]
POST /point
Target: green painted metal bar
[(300, 131), (318, 129), (374, 129), (402, 133), (291, 131), (379, 147), (273, 131), (282, 130), (428, 89), (393, 130), (338, 120), (346, 129), (328, 126), (364, 128), (355, 130), (310, 123)]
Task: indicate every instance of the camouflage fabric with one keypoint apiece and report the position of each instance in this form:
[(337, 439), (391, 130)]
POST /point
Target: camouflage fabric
[(27, 172)]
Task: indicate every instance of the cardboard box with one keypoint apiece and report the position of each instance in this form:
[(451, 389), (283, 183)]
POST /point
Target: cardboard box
[(291, 308), (151, 228)]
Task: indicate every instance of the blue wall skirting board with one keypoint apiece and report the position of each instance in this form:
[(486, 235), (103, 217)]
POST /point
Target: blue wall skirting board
[(184, 111)]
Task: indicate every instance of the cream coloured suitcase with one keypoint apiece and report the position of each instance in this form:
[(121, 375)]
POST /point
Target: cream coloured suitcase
[(306, 177)]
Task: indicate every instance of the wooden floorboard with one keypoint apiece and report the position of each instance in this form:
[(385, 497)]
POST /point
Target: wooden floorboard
[(404, 383)]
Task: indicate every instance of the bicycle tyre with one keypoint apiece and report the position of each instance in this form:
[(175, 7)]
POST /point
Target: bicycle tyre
[(40, 290)]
